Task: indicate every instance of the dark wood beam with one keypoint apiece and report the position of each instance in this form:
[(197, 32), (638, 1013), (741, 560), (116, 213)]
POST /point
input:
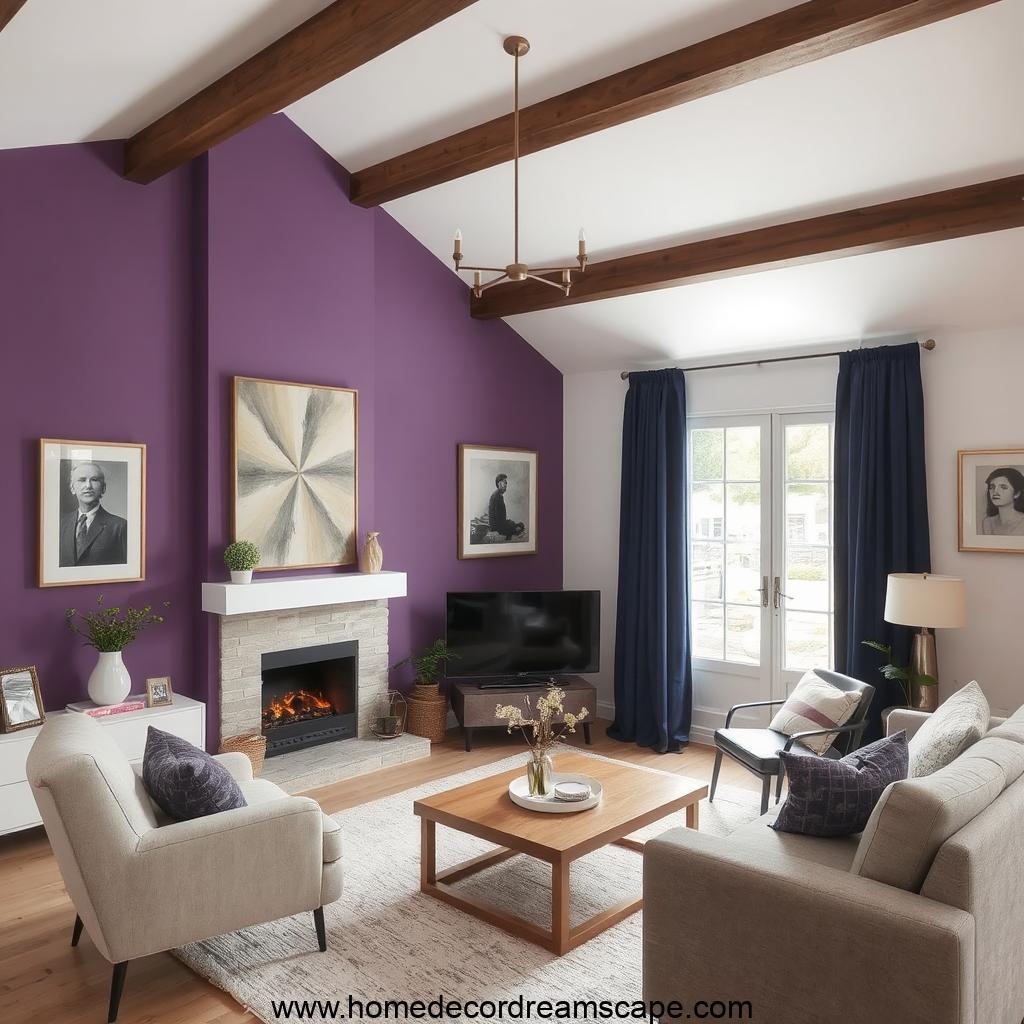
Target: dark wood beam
[(971, 210), (784, 40), (339, 39), (8, 9)]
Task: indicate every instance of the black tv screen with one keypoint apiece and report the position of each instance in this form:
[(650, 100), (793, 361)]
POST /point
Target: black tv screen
[(523, 632)]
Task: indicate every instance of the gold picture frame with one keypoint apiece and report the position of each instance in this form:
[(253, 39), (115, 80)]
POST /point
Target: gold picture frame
[(279, 452), (159, 693), (982, 525), (122, 469), (21, 702), (480, 466)]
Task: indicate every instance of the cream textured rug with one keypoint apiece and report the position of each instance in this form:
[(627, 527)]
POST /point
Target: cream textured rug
[(387, 941)]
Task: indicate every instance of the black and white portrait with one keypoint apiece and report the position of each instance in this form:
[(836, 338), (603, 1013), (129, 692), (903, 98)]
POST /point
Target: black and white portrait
[(20, 702), (92, 504), (992, 500), (497, 501)]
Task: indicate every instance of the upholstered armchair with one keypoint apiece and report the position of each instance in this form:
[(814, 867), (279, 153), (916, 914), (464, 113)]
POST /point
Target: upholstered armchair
[(141, 884)]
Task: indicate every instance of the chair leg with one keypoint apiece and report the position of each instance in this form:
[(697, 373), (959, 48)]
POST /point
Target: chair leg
[(778, 784), (321, 931), (714, 775), (76, 934), (116, 988), (766, 786)]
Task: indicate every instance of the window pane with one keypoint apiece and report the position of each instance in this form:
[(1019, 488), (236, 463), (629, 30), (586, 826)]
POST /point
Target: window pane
[(807, 451), (706, 511), (707, 629), (706, 572), (743, 512), (743, 635), (743, 453), (807, 516), (806, 641), (807, 578), (743, 573), (707, 458)]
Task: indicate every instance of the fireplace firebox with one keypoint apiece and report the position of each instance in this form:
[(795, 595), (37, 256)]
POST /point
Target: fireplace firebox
[(309, 696)]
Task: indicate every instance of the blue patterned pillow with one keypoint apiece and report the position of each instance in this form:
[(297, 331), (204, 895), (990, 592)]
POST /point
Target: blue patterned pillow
[(184, 780), (835, 798)]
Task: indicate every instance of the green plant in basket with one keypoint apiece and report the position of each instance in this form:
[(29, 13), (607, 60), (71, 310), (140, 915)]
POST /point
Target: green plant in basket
[(429, 663)]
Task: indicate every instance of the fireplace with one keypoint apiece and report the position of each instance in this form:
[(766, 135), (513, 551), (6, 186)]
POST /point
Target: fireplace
[(309, 696)]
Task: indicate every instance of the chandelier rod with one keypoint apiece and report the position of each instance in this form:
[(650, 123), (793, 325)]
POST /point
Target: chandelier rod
[(515, 157)]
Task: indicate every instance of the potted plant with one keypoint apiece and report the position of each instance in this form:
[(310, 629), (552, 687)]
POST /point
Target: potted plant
[(428, 665), (902, 674), (241, 558), (110, 632)]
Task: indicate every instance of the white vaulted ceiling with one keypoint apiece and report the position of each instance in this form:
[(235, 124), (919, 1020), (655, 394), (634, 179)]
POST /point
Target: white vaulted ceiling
[(932, 108)]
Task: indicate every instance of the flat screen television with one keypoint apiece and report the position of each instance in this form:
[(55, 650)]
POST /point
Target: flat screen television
[(522, 633)]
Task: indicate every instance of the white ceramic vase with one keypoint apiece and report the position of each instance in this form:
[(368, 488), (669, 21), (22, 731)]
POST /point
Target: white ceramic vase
[(109, 682), (241, 576)]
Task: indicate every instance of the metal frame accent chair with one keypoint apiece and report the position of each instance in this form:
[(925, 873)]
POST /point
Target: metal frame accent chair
[(758, 750)]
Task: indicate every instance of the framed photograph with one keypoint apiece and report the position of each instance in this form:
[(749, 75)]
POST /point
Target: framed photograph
[(158, 692), (92, 512), (21, 704), (497, 501), (295, 472), (991, 498)]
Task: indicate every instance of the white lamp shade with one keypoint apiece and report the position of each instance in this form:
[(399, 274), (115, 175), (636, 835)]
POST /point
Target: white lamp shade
[(921, 599)]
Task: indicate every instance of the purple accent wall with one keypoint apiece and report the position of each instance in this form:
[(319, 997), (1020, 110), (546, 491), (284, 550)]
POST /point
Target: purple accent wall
[(128, 309)]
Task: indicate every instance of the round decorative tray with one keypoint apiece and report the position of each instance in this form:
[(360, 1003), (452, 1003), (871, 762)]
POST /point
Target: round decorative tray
[(519, 791)]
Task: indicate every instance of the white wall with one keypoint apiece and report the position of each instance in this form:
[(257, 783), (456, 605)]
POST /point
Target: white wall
[(972, 399)]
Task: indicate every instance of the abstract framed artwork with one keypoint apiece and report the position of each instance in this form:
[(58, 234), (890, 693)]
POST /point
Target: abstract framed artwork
[(92, 512), (21, 704), (295, 472), (497, 501), (991, 499)]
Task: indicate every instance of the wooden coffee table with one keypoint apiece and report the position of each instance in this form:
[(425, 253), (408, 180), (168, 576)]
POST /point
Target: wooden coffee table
[(633, 797)]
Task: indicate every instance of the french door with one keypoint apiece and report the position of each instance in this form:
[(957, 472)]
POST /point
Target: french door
[(760, 525)]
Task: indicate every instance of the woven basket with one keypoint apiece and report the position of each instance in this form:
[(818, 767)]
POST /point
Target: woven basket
[(428, 717), (254, 748)]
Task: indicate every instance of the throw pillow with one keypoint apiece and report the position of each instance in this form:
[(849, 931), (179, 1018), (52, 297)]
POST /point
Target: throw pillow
[(949, 731), (836, 798), (815, 704), (184, 781)]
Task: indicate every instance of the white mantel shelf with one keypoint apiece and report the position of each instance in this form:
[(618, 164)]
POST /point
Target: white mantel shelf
[(282, 593)]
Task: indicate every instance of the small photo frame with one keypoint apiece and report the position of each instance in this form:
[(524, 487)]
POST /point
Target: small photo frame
[(21, 704), (991, 500), (497, 510), (158, 692), (92, 512)]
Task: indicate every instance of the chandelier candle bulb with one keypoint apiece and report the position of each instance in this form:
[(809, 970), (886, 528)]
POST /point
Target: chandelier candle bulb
[(457, 255)]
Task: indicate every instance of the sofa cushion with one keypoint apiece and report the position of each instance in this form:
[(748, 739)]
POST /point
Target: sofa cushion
[(914, 818), (815, 704), (760, 836), (958, 722), (836, 798), (261, 791), (184, 781)]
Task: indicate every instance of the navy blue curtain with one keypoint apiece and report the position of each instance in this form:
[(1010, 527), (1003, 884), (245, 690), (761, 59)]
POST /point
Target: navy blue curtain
[(653, 683), (881, 507)]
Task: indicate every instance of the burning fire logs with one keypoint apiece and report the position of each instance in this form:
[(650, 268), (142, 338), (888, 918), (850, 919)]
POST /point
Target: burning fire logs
[(296, 706)]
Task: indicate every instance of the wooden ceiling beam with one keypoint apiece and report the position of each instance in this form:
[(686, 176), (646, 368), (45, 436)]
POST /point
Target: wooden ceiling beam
[(955, 213), (795, 36), (8, 9), (339, 39)]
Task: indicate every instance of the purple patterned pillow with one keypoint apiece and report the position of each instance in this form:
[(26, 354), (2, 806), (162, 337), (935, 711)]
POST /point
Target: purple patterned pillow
[(835, 798)]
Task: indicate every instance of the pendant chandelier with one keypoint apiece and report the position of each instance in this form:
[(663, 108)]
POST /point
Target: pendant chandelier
[(518, 47)]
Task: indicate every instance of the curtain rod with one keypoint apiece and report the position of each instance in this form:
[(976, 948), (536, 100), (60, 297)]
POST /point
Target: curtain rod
[(926, 345)]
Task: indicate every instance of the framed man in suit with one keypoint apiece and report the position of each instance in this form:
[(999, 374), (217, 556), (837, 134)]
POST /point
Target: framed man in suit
[(89, 534)]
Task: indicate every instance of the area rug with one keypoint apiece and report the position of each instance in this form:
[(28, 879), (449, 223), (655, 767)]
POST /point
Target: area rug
[(387, 941)]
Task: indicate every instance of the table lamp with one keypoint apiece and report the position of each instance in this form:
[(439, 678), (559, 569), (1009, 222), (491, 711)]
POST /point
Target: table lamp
[(929, 602)]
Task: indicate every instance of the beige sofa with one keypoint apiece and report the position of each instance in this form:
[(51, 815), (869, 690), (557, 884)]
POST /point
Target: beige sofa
[(918, 921), (141, 884)]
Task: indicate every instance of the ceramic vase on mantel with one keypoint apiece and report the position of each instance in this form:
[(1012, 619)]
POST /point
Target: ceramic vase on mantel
[(371, 559), (109, 682)]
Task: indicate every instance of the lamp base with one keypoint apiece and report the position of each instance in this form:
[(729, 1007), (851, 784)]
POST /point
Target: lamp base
[(924, 661)]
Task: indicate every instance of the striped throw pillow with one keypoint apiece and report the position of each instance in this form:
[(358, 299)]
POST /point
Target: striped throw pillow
[(815, 704)]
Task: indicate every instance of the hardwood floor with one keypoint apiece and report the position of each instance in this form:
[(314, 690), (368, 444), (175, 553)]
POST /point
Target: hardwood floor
[(43, 978)]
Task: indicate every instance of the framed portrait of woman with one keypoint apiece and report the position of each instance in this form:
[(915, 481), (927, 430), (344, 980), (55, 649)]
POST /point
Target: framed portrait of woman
[(991, 491)]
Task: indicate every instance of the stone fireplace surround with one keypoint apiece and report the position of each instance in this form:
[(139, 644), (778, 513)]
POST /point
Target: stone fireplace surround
[(284, 614)]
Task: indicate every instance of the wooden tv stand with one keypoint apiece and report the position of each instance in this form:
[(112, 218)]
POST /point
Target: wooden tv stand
[(474, 707)]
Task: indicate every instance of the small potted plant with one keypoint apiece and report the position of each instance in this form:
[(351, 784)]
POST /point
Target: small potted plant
[(909, 680), (241, 558), (110, 632), (428, 665)]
